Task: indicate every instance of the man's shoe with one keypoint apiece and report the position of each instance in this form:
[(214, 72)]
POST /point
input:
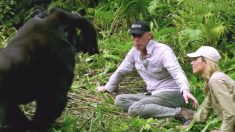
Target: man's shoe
[(185, 115)]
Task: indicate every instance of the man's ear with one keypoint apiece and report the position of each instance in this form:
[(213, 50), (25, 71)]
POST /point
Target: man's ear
[(150, 35)]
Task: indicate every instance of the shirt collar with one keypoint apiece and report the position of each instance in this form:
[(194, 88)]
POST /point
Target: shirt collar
[(150, 48)]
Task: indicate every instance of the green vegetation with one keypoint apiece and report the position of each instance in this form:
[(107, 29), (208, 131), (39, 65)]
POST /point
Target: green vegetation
[(184, 25)]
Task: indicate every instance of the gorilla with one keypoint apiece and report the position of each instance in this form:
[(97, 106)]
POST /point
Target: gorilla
[(38, 65)]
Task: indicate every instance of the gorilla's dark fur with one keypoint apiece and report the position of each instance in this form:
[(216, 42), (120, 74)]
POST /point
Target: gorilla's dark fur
[(38, 65)]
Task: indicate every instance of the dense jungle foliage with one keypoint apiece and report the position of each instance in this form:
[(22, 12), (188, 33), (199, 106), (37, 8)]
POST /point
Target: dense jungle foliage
[(184, 25)]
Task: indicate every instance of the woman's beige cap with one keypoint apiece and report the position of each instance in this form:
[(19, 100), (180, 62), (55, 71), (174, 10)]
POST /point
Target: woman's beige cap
[(206, 51)]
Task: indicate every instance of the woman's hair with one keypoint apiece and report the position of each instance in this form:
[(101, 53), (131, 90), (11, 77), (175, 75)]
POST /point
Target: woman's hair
[(210, 68)]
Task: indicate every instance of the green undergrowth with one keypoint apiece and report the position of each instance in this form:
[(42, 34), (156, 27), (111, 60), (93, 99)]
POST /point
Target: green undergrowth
[(184, 25)]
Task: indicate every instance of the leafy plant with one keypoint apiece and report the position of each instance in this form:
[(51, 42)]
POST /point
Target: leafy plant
[(184, 25)]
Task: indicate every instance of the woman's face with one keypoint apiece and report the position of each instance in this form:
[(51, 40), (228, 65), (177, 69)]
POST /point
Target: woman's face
[(198, 65)]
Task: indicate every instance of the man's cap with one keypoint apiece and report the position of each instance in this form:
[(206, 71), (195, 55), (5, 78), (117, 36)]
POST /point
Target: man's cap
[(139, 27), (206, 51)]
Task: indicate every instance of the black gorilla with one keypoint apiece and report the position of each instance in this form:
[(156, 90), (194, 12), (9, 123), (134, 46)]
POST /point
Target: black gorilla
[(38, 65)]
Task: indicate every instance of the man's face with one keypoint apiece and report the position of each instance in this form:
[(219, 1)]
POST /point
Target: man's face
[(141, 41)]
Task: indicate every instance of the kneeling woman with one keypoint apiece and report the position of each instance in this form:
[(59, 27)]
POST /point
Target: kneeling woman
[(219, 87)]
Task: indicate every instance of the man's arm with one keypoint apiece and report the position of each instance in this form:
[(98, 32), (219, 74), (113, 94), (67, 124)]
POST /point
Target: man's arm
[(127, 65), (171, 63)]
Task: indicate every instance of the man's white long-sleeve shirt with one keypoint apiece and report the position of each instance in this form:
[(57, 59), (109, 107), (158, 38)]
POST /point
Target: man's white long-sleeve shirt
[(159, 69)]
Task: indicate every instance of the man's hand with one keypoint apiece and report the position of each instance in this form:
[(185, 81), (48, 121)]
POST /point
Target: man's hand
[(187, 95), (100, 89)]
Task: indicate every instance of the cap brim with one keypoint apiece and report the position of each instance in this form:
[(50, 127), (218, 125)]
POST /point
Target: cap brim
[(193, 55), (138, 32)]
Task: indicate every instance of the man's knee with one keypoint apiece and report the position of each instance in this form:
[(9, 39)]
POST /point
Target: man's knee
[(135, 110), (119, 100)]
